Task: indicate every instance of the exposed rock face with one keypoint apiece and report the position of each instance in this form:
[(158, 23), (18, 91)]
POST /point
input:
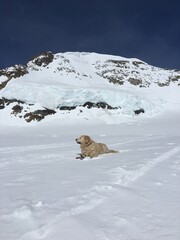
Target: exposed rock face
[(89, 105), (137, 73), (137, 112), (135, 82), (17, 109), (43, 59), (5, 102), (97, 105), (19, 70), (21, 109), (12, 72), (2, 105), (3, 84), (38, 115)]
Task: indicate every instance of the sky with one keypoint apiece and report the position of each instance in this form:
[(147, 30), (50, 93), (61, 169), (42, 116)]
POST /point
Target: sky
[(144, 29)]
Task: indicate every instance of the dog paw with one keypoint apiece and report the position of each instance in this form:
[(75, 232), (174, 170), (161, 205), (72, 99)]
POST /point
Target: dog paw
[(80, 157)]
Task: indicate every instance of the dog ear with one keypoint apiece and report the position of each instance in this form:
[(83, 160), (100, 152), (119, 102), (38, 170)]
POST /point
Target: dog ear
[(87, 139)]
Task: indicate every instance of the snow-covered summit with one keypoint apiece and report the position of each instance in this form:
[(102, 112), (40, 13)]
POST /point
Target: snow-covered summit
[(71, 79)]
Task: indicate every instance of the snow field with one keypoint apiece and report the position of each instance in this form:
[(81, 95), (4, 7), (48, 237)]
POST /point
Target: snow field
[(48, 194)]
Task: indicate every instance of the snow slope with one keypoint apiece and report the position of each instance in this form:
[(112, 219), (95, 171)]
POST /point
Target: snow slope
[(48, 194)]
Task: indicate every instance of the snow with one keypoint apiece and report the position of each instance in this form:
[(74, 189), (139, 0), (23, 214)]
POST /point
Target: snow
[(75, 78), (48, 194), (3, 79)]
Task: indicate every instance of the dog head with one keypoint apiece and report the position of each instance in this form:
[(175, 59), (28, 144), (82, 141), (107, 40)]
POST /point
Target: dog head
[(84, 140)]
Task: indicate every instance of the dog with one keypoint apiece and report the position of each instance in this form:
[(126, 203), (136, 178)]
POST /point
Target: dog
[(90, 148)]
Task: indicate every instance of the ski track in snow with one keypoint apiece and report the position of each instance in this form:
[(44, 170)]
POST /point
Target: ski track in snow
[(125, 177), (39, 220)]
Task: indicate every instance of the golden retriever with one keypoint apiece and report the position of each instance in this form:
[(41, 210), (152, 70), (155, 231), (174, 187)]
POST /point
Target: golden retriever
[(90, 148)]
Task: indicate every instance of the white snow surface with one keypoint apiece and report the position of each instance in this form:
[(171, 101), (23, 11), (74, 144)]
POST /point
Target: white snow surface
[(46, 193)]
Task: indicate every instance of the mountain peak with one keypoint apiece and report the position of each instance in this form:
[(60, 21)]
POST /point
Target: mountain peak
[(69, 80)]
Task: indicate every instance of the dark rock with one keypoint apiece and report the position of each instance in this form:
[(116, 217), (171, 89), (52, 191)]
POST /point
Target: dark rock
[(32, 117), (3, 84), (141, 110), (115, 80), (9, 101), (164, 84), (118, 63), (38, 115), (44, 59), (135, 81), (17, 109), (13, 72), (137, 63), (175, 79), (88, 104), (1, 102), (67, 107), (103, 105)]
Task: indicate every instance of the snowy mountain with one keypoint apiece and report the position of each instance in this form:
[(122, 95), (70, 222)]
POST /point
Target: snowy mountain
[(72, 82)]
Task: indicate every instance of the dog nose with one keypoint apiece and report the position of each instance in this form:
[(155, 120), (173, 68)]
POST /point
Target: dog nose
[(77, 140)]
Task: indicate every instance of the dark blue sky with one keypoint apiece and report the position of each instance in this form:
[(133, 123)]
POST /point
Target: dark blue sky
[(145, 29)]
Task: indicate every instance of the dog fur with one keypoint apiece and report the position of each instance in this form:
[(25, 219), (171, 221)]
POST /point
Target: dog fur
[(90, 148)]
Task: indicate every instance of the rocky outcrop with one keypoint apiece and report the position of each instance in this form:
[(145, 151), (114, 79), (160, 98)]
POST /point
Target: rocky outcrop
[(13, 72), (17, 109), (102, 105), (89, 105), (5, 101), (38, 115), (138, 111), (23, 110), (19, 70), (43, 59), (136, 72)]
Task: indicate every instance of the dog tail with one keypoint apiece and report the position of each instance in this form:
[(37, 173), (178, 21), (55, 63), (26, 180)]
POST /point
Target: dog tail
[(113, 151)]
